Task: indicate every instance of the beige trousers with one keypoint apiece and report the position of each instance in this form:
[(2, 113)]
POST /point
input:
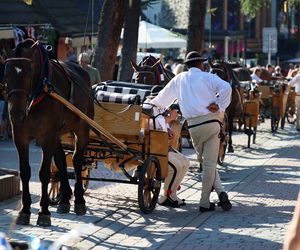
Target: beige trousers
[(177, 168), (206, 142)]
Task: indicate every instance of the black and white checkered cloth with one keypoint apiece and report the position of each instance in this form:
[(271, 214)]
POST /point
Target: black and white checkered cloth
[(105, 96), (143, 93), (123, 92)]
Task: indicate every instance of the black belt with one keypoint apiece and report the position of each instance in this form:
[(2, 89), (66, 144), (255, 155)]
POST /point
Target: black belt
[(202, 123)]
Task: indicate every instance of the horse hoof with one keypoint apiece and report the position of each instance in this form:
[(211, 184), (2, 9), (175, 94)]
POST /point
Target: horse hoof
[(80, 209), (230, 150), (63, 208), (44, 220), (23, 219)]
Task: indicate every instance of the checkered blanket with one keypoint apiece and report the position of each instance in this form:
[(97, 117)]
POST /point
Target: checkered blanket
[(105, 96)]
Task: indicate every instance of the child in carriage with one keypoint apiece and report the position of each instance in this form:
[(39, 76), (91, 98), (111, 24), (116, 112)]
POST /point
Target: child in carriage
[(178, 164)]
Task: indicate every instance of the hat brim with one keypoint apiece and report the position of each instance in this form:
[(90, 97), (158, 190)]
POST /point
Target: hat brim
[(201, 59)]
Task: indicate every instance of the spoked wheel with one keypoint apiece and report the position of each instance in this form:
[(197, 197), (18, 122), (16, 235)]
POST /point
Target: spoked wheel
[(149, 184), (54, 194)]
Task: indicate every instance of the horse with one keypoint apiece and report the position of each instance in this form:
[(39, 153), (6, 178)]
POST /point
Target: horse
[(235, 108), (151, 71), (35, 114)]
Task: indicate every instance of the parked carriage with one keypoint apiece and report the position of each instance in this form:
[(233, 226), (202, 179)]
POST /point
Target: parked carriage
[(125, 144), (274, 96), (251, 99)]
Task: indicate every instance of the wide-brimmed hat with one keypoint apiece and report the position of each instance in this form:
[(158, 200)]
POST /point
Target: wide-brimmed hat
[(194, 56)]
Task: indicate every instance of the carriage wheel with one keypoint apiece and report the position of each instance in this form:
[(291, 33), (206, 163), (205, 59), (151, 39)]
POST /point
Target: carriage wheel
[(54, 194), (149, 184)]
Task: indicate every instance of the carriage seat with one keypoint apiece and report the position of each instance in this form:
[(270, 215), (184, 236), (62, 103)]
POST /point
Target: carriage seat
[(105, 96), (143, 90)]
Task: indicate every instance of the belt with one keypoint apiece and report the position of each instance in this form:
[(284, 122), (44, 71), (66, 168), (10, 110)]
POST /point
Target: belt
[(202, 123)]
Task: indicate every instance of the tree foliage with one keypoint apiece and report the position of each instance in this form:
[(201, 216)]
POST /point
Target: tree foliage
[(250, 7)]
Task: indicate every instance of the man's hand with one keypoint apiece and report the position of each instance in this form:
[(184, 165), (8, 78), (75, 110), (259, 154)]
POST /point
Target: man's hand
[(213, 107)]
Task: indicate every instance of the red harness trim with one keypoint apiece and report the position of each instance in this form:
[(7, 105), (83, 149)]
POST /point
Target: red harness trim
[(38, 99)]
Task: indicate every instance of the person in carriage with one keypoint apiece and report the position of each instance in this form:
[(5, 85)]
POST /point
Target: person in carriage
[(178, 163), (196, 91)]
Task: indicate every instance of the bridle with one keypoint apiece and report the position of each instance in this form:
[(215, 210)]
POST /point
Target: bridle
[(19, 90)]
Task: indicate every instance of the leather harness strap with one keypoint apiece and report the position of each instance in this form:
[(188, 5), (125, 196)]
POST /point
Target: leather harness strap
[(205, 122)]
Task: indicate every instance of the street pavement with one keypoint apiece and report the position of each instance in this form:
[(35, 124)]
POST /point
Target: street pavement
[(262, 181)]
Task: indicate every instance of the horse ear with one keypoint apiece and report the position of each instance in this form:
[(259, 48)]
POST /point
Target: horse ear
[(134, 66), (154, 66)]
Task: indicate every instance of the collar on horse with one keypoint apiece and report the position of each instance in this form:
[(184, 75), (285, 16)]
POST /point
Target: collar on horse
[(38, 94)]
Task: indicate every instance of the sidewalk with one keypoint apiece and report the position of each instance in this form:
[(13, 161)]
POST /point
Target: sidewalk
[(263, 183)]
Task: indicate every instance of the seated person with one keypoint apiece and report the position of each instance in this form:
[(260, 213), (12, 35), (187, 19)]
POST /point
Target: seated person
[(178, 163), (256, 75)]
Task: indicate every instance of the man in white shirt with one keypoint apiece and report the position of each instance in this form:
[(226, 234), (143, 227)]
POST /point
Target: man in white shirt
[(196, 91), (296, 83)]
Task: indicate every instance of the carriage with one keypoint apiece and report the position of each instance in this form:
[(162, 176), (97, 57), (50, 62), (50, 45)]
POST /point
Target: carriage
[(125, 144), (274, 96), (251, 99)]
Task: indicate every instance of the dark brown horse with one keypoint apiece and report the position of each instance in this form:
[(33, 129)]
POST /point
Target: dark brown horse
[(235, 108), (151, 71), (34, 114)]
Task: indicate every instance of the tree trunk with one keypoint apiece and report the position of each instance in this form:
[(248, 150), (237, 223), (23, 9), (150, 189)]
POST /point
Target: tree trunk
[(108, 39), (195, 40), (130, 40)]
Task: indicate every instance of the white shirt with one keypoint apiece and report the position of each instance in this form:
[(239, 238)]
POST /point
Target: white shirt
[(296, 83), (255, 78), (195, 90)]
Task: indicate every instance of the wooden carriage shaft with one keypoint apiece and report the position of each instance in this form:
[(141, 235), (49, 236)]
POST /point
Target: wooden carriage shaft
[(91, 122)]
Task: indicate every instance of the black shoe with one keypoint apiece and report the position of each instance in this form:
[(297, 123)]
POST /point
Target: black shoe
[(224, 202), (211, 208), (170, 203)]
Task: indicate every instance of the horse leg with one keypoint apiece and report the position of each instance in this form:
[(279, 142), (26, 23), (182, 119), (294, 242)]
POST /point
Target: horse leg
[(65, 189), (23, 217), (48, 148), (230, 129), (78, 162)]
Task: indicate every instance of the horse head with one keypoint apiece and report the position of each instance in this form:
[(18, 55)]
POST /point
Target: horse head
[(22, 75), (146, 74)]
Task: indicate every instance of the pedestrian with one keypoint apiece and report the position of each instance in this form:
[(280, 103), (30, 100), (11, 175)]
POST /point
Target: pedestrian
[(295, 82), (178, 163), (292, 237), (270, 68), (277, 72), (196, 91), (178, 69), (93, 72)]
